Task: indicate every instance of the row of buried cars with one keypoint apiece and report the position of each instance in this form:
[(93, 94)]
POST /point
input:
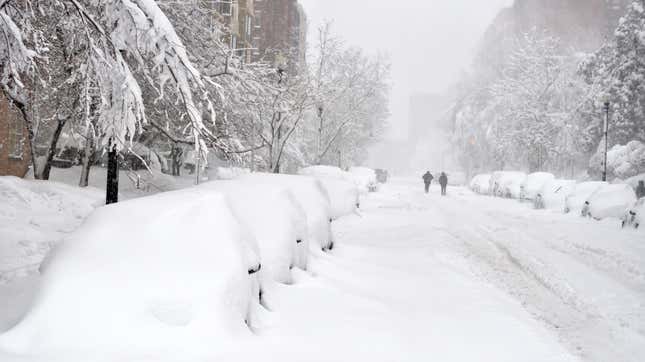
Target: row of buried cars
[(170, 271), (594, 199)]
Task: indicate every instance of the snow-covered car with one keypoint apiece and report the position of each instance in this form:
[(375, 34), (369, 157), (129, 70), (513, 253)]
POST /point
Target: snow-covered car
[(611, 201), (313, 198), (325, 171), (343, 192), (164, 272), (533, 184), (276, 220), (481, 184), (364, 178), (635, 215), (507, 183), (554, 194), (575, 201)]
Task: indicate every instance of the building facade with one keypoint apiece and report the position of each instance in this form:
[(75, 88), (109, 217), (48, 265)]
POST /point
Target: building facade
[(281, 32), (14, 145)]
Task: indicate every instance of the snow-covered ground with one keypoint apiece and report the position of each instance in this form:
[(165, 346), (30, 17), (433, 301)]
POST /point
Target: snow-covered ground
[(420, 277)]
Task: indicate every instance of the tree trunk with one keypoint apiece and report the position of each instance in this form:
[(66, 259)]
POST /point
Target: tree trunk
[(88, 159), (44, 175), (112, 188)]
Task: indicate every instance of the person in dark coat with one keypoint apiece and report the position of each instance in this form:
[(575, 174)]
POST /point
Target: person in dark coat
[(427, 180), (640, 190), (443, 181)]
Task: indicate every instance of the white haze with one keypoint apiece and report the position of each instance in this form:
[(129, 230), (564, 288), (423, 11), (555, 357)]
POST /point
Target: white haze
[(430, 42)]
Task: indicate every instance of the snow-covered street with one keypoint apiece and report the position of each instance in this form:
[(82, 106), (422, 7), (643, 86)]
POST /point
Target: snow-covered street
[(458, 278)]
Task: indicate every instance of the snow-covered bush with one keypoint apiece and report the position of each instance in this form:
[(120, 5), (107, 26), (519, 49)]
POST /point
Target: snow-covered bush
[(364, 178), (160, 273), (575, 201), (623, 161), (555, 192), (534, 183), (481, 184), (611, 201), (275, 219), (313, 198), (343, 192), (507, 183), (635, 215), (633, 181)]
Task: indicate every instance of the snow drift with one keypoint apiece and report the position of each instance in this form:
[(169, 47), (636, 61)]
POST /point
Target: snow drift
[(163, 273)]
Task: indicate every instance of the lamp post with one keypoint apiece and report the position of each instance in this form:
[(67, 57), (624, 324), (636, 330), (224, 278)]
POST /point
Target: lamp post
[(606, 128)]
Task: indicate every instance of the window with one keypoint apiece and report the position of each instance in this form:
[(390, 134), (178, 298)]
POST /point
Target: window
[(225, 7), (233, 42)]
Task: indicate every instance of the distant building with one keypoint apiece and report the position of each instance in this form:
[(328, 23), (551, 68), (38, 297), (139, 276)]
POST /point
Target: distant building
[(280, 31), (427, 112), (239, 18), (14, 145)]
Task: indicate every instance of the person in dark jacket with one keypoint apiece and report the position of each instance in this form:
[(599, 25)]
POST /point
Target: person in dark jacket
[(640, 190), (443, 181), (427, 180)]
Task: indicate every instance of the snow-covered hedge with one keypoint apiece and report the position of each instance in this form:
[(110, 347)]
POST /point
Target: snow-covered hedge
[(611, 201), (534, 183), (130, 280), (623, 161), (313, 198), (277, 222), (575, 201), (481, 184)]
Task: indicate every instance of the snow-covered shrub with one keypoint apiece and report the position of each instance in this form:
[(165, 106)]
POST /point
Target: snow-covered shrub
[(633, 181), (635, 215), (555, 192), (575, 201), (507, 183), (275, 219), (623, 161), (343, 192), (160, 273), (481, 184), (313, 198), (534, 183), (611, 201), (364, 178)]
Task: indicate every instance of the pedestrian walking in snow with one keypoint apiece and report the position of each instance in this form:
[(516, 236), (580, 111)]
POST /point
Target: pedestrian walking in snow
[(443, 181), (427, 180), (640, 190)]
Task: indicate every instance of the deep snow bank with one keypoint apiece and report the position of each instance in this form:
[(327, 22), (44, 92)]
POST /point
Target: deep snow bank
[(163, 273), (34, 216)]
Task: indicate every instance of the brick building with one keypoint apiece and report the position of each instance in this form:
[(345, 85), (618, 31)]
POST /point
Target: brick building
[(239, 18), (14, 145), (280, 31)]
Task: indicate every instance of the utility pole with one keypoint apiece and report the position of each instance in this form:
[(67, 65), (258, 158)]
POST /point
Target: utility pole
[(606, 108)]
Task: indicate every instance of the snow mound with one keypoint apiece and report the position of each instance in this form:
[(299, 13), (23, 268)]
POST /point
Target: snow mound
[(534, 183), (161, 273), (340, 186), (34, 216), (314, 200), (276, 220), (611, 201), (364, 178), (507, 183), (481, 184), (554, 193), (633, 181), (623, 161), (229, 173), (575, 201)]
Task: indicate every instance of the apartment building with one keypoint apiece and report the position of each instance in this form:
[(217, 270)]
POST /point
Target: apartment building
[(280, 31)]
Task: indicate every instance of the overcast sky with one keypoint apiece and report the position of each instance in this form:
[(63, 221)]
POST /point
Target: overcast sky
[(429, 41)]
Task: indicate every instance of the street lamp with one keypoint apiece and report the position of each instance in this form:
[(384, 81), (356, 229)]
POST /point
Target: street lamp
[(606, 128)]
